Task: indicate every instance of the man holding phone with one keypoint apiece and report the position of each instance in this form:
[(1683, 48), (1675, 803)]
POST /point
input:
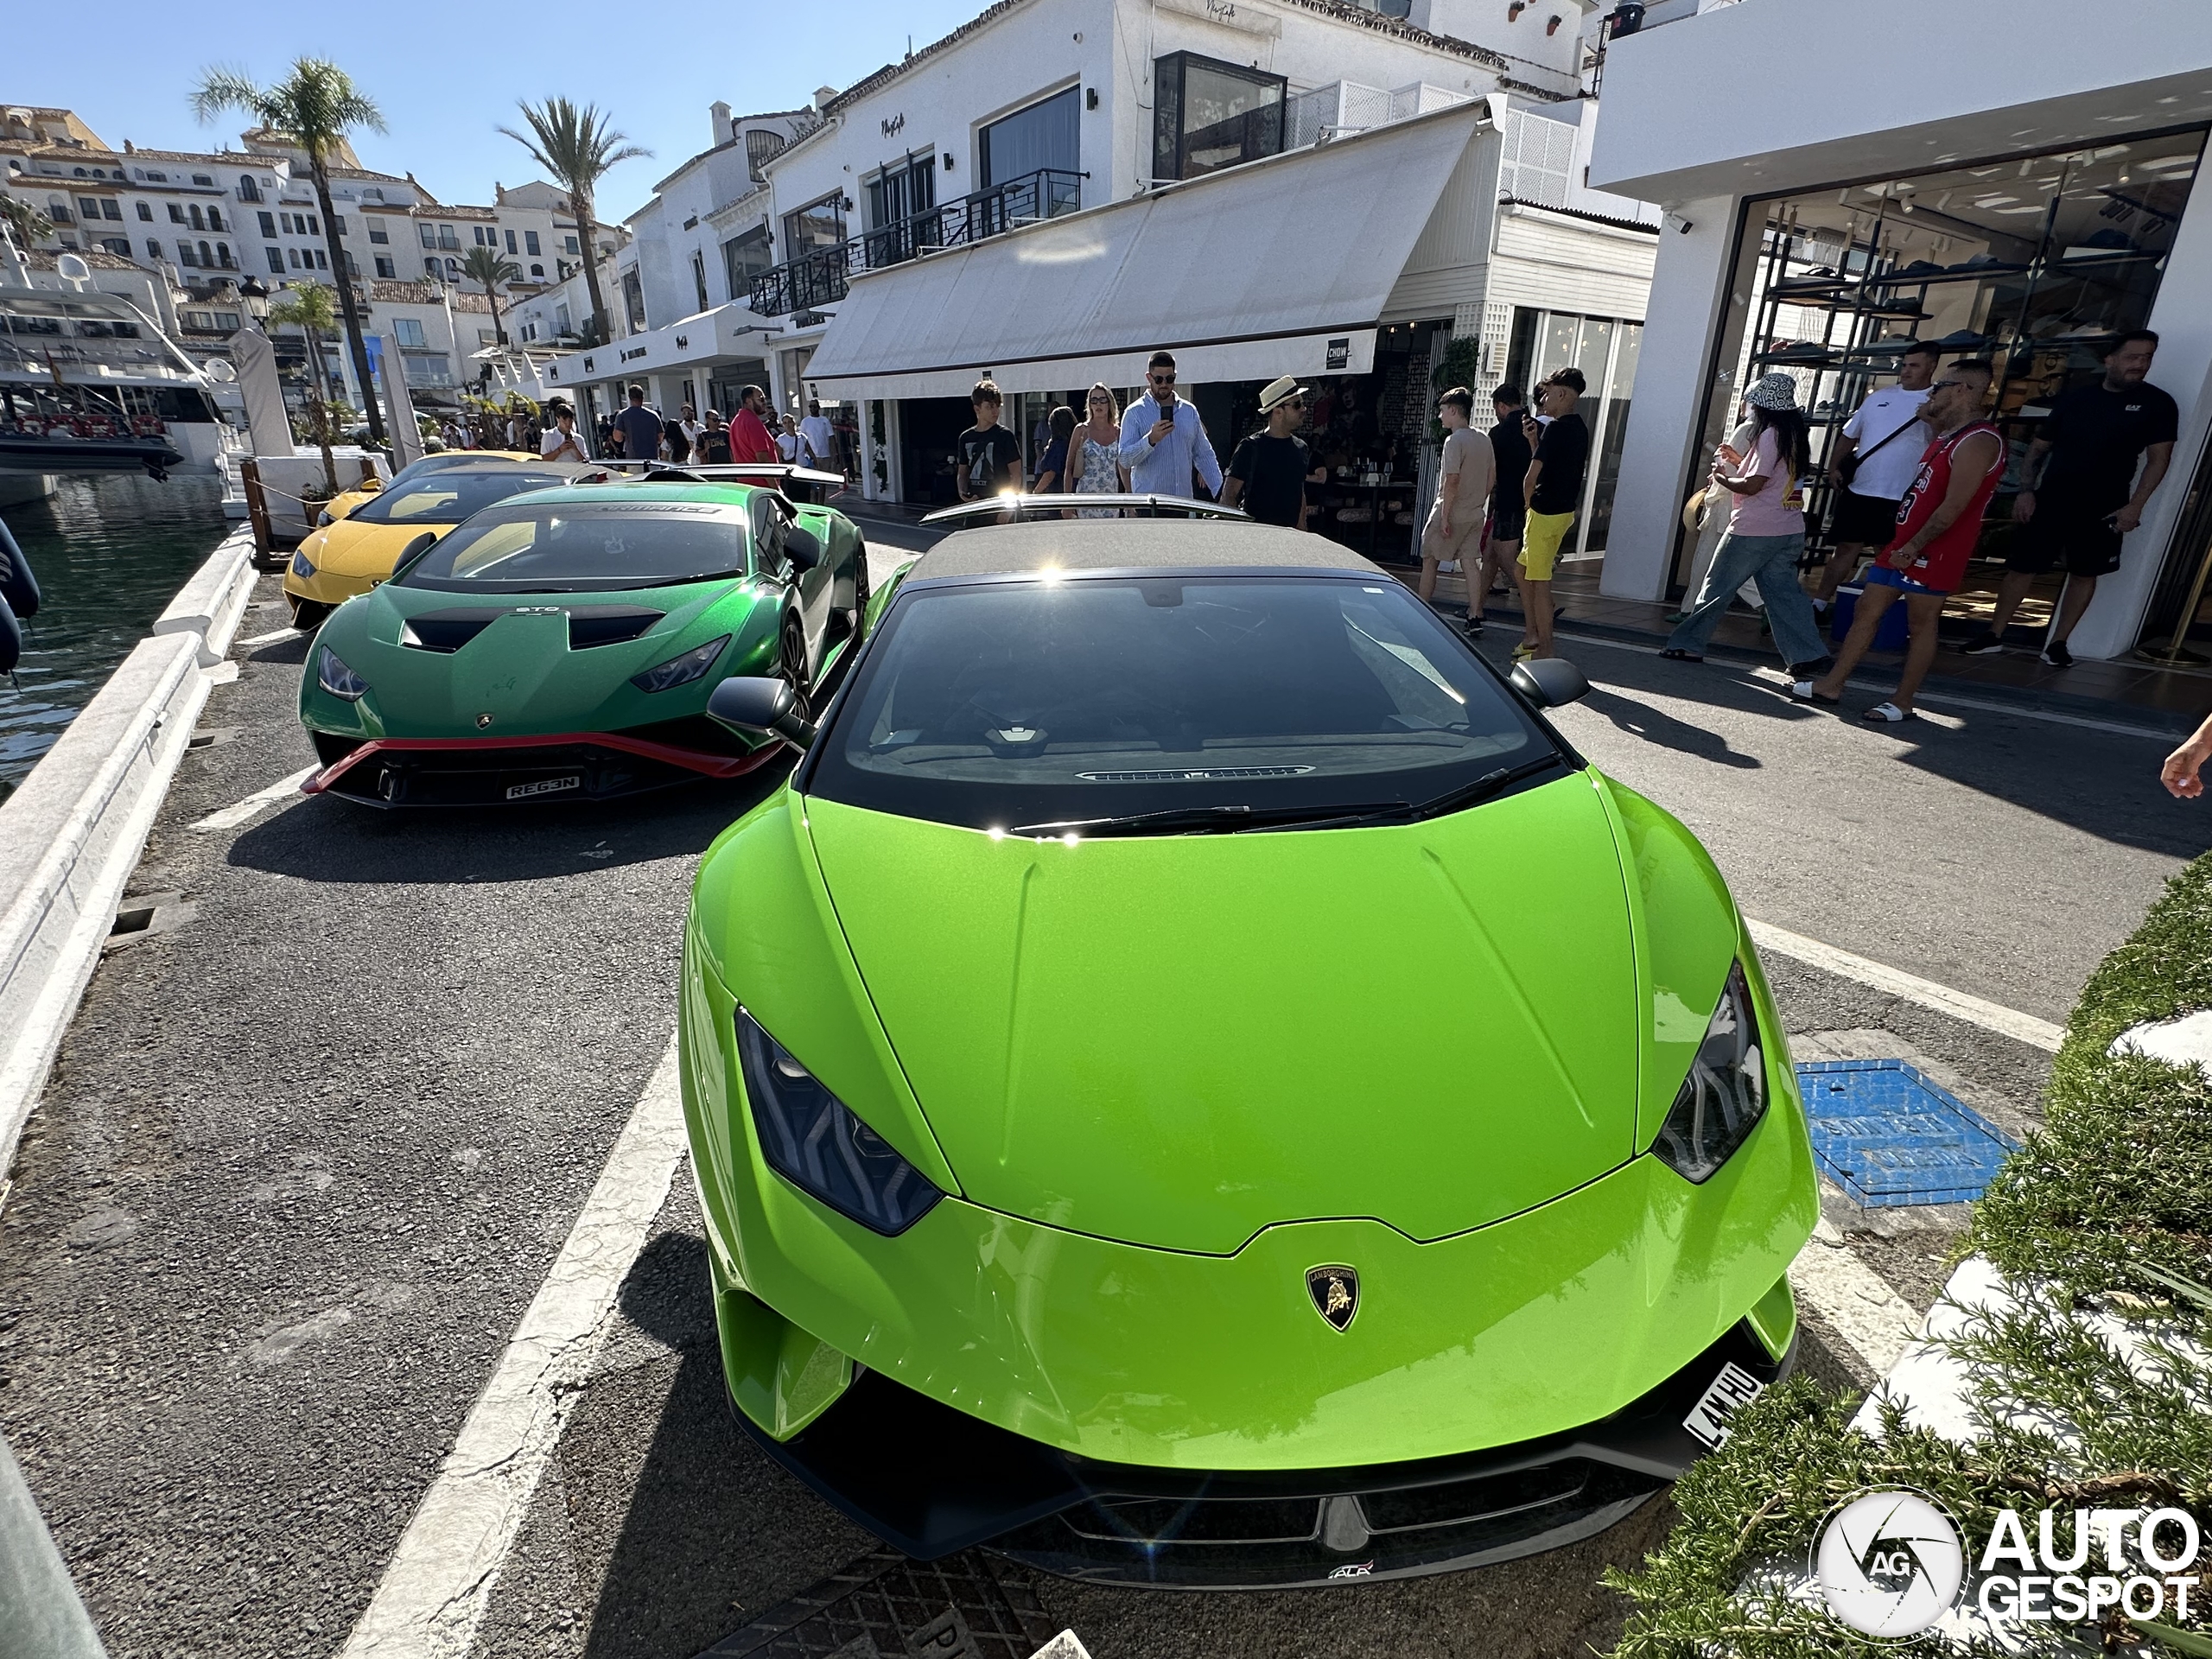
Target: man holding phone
[(1163, 439), (2074, 510)]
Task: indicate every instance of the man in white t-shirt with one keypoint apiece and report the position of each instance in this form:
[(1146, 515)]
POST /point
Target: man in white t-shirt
[(1887, 437), (691, 429), (821, 438)]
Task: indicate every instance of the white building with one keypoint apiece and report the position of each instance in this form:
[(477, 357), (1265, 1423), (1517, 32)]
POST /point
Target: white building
[(972, 208), (2017, 182)]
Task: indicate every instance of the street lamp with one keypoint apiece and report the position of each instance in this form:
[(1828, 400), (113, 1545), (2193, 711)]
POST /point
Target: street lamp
[(256, 297)]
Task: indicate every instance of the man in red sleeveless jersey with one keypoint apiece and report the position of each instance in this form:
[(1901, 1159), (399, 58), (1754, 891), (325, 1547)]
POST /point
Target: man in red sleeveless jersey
[(1938, 522)]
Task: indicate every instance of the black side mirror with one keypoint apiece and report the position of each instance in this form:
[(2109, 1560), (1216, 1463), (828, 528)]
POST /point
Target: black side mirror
[(421, 543), (802, 548), (760, 706), (1549, 681)]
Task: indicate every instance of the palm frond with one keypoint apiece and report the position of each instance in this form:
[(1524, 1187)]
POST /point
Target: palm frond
[(221, 90)]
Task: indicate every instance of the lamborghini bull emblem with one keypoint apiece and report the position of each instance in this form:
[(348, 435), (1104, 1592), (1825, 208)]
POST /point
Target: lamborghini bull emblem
[(1335, 1292)]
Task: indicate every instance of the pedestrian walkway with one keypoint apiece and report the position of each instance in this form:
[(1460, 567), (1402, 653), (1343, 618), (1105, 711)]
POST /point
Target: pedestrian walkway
[(2167, 699)]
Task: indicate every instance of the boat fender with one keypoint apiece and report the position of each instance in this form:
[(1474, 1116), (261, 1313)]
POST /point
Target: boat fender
[(18, 587)]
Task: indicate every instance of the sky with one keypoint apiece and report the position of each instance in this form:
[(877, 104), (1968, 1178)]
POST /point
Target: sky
[(447, 77)]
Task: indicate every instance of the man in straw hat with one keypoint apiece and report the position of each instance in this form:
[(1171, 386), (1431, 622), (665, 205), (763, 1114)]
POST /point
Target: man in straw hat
[(1766, 536), (1270, 470)]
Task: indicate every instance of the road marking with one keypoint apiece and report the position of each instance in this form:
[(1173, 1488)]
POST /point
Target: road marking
[(1773, 676), (266, 638), (231, 817), (439, 1582), (1855, 1302), (1990, 1016)]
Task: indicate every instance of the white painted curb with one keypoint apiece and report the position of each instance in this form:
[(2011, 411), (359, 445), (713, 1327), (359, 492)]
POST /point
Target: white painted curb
[(71, 836)]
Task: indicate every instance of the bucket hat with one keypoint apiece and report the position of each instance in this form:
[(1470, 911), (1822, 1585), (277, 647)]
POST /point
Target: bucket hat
[(1774, 390)]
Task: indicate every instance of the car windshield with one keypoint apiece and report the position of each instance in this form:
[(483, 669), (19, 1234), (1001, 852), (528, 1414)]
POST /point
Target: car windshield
[(556, 546), (414, 470), (449, 496), (1014, 705)]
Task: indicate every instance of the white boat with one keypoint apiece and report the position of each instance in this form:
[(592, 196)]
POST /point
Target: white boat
[(90, 383)]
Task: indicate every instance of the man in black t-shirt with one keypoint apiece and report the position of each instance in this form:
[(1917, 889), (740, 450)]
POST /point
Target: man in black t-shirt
[(1511, 449), (1552, 487), (1270, 470), (2074, 511), (990, 457)]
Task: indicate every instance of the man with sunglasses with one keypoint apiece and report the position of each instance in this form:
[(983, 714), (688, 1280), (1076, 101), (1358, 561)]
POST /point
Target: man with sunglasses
[(1270, 470), (1163, 441)]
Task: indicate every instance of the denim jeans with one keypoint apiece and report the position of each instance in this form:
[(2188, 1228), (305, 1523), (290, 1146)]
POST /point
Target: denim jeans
[(1771, 562)]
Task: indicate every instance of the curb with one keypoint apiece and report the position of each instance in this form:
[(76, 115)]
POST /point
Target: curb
[(71, 834)]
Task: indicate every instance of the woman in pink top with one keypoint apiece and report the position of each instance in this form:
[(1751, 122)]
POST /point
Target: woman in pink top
[(1766, 534)]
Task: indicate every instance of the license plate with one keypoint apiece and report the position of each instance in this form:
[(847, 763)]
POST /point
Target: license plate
[(546, 786), (1728, 1394)]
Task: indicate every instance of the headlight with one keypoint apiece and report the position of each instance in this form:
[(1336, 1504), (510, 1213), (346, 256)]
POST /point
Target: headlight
[(812, 1140), (324, 518), (680, 671), (1724, 1095), (302, 566), (336, 678)]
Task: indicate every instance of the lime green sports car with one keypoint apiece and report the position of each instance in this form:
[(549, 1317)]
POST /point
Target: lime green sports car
[(561, 645), (1193, 1081)]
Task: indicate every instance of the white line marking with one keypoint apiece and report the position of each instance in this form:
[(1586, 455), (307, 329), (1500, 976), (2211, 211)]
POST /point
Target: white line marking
[(439, 1583), (1990, 1016), (231, 817), (267, 639), (1773, 676), (1856, 1302)]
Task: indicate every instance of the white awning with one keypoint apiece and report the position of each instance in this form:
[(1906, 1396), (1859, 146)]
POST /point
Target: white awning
[(1282, 267)]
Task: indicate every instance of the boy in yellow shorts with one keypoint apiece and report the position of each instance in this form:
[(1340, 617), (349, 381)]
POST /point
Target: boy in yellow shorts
[(1554, 491)]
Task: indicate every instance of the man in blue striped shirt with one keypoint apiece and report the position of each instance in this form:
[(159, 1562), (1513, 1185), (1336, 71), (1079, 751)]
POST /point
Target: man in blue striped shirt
[(1163, 439)]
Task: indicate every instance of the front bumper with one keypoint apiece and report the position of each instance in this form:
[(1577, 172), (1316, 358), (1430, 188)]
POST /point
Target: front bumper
[(498, 772), (930, 1480)]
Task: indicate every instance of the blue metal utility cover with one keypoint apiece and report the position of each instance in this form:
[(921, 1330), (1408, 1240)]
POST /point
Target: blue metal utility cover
[(1886, 1136)]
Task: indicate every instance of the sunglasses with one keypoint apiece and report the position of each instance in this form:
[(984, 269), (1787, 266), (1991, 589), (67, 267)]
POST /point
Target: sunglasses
[(1162, 380), (1944, 386), (1292, 403)]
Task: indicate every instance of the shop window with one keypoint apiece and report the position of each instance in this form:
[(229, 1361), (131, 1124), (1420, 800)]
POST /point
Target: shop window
[(1208, 115), (1043, 136), (2036, 264)]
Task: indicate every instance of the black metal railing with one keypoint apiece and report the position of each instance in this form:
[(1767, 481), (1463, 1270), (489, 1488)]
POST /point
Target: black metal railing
[(819, 277)]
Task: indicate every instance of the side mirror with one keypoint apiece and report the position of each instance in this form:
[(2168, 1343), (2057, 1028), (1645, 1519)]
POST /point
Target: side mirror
[(370, 483), (760, 706), (421, 543), (802, 548), (1549, 681)]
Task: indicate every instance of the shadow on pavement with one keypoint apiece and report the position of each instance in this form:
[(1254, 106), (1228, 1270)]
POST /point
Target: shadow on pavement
[(712, 1532), (325, 839), (1641, 720)]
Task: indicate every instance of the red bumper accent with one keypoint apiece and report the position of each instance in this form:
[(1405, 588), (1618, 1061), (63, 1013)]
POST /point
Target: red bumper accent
[(707, 765)]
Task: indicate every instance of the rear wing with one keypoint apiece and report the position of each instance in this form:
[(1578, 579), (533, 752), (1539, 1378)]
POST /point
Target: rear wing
[(1013, 507)]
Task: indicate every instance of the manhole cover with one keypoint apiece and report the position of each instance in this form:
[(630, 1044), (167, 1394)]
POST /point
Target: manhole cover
[(884, 1606), (1886, 1136)]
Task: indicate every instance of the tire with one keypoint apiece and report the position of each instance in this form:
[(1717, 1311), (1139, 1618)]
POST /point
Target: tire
[(860, 584), (793, 668)]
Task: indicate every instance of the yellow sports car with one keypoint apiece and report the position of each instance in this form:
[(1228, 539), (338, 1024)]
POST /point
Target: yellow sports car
[(345, 500), (352, 556)]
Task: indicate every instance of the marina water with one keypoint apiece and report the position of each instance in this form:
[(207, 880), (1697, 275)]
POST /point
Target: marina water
[(110, 551)]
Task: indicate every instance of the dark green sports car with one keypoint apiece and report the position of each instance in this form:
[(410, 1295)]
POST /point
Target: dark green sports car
[(562, 645)]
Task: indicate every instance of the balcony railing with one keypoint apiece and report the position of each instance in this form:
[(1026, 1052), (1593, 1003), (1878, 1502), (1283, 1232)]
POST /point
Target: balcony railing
[(820, 278)]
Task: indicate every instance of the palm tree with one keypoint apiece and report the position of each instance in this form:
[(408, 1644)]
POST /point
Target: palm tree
[(316, 107), (487, 268), (576, 144), (24, 222), (307, 309)]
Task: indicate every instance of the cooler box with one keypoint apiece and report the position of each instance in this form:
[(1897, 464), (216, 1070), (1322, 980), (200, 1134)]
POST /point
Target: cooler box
[(1889, 636)]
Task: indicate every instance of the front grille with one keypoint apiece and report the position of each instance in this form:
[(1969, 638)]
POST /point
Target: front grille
[(494, 777), (1272, 1542)]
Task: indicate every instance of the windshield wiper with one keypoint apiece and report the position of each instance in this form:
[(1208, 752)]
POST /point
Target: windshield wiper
[(1217, 820), (1489, 784)]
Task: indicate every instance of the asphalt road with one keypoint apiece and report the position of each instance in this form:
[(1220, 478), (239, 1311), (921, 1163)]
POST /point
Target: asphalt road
[(307, 1156)]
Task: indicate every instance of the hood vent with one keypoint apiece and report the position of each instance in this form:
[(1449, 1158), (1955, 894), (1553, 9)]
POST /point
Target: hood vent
[(607, 624), (447, 632)]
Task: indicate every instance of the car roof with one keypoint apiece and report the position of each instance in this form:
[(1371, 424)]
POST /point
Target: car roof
[(1133, 544), (733, 495)]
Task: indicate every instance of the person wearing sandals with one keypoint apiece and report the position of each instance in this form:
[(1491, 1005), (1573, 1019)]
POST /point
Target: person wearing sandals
[(1939, 521), (1765, 539), (1094, 454)]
